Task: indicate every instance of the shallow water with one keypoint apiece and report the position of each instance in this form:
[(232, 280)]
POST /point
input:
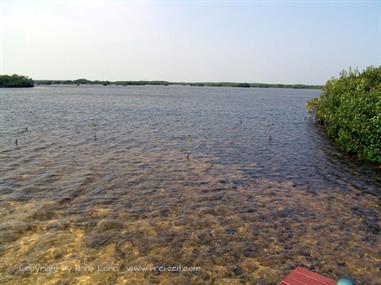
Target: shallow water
[(101, 178)]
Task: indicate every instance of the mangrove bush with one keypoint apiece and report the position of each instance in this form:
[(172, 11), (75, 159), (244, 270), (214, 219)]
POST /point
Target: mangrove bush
[(349, 109), (15, 81)]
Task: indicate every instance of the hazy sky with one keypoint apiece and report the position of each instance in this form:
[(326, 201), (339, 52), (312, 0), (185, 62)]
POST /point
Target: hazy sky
[(246, 41)]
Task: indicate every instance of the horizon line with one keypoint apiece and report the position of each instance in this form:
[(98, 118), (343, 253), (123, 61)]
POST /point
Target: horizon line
[(180, 82)]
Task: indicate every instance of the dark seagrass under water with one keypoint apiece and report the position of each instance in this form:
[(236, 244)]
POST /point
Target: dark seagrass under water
[(101, 177)]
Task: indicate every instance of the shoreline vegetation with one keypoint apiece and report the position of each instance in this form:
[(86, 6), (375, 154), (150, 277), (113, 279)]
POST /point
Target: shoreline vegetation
[(24, 81), (349, 110), (15, 81), (167, 83)]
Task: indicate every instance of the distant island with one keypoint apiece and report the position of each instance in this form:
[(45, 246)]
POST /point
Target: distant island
[(166, 83), (24, 81), (15, 81)]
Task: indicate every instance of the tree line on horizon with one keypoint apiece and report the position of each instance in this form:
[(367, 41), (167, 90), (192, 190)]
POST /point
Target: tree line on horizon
[(24, 81), (15, 81), (166, 83)]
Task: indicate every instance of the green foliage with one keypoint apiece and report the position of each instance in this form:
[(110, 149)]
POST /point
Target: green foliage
[(350, 111), (312, 105), (166, 83), (82, 81), (15, 81)]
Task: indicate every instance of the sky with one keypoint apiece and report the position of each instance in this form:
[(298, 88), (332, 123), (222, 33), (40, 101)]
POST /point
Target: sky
[(242, 41)]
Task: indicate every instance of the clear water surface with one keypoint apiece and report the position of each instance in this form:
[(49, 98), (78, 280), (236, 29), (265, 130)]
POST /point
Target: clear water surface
[(238, 182)]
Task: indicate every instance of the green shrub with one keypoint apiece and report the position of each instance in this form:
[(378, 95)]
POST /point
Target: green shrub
[(349, 108), (15, 81)]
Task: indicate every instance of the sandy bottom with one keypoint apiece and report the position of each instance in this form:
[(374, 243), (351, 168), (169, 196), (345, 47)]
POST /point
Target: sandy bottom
[(76, 225)]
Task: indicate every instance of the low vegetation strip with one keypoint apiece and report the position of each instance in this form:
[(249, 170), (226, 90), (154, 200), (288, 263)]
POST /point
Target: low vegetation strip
[(23, 81), (349, 109), (166, 83), (15, 81)]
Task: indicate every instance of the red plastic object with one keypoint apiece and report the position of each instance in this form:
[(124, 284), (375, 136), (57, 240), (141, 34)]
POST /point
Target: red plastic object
[(301, 276)]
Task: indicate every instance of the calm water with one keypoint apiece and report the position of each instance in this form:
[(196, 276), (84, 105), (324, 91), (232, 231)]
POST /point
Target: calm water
[(101, 178)]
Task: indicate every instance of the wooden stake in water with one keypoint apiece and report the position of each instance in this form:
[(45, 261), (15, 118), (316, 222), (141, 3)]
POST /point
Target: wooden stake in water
[(95, 129), (190, 142)]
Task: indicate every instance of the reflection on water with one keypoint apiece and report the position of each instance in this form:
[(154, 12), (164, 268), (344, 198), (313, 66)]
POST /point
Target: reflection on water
[(244, 208)]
